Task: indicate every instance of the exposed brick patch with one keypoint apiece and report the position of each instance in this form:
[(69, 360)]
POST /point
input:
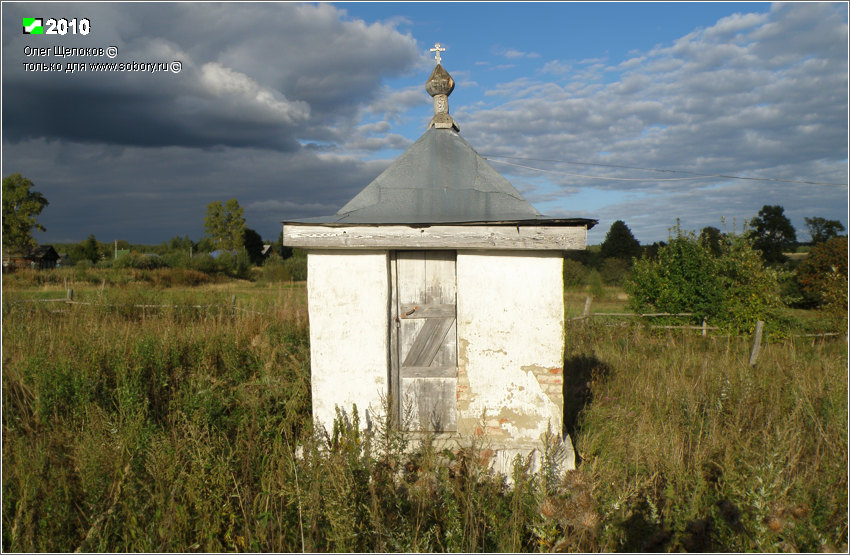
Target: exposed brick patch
[(551, 382)]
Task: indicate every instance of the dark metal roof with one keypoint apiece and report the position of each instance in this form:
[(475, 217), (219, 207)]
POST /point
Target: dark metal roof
[(44, 252), (440, 179)]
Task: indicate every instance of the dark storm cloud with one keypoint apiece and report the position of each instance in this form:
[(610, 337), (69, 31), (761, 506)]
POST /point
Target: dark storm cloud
[(261, 75), (126, 193), (138, 156)]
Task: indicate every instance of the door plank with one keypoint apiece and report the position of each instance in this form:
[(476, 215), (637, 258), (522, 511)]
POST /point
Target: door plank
[(440, 277), (411, 372), (427, 311), (433, 402), (428, 342)]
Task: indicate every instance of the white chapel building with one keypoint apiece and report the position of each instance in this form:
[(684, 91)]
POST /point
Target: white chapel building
[(438, 286)]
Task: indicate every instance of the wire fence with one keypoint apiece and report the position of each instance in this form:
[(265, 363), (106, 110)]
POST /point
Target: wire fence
[(69, 300), (704, 327), (586, 315)]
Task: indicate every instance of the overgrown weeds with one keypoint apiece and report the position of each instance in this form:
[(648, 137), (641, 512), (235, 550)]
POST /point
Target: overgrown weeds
[(178, 429), (692, 449)]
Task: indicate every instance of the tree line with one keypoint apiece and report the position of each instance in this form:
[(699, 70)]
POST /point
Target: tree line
[(228, 245), (734, 279), (232, 248)]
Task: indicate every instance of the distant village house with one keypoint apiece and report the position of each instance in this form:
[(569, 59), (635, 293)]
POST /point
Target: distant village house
[(40, 258)]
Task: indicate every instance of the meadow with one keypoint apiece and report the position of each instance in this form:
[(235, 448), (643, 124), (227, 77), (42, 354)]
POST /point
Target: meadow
[(163, 416)]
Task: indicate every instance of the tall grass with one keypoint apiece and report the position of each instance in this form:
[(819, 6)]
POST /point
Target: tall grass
[(177, 429), (692, 449)]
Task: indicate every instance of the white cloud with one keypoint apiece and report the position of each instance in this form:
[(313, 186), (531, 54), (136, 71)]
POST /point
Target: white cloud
[(513, 54), (753, 95), (244, 94)]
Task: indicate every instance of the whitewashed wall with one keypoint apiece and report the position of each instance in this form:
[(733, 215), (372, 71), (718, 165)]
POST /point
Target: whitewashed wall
[(510, 344), (347, 295)]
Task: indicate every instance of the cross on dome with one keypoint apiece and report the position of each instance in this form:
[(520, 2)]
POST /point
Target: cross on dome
[(436, 50)]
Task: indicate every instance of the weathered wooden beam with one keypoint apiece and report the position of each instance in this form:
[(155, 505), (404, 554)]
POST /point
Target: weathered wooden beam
[(428, 342), (754, 353), (436, 237), (429, 372), (412, 311)]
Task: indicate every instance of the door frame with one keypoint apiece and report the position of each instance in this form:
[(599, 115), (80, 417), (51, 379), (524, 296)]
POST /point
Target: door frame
[(394, 354)]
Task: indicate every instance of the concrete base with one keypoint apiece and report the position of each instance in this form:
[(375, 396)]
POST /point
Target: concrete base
[(503, 458)]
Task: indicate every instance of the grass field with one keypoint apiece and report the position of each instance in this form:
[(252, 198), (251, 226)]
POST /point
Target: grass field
[(134, 428)]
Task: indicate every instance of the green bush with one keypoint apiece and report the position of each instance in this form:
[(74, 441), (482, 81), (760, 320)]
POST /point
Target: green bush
[(575, 273), (176, 259), (682, 279), (594, 282), (238, 265), (274, 270), (614, 270), (296, 265), (817, 272), (734, 290), (138, 261), (203, 263)]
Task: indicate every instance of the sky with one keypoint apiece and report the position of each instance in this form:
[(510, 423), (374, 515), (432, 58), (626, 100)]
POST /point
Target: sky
[(641, 112)]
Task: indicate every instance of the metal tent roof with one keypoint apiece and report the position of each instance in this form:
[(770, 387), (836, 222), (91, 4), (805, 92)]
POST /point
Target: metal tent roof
[(439, 179)]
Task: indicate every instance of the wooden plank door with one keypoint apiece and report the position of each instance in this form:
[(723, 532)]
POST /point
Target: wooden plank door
[(425, 294)]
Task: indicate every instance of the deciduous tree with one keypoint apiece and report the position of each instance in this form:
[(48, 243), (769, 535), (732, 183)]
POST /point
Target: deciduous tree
[(772, 234), (225, 224), (822, 230), (21, 205)]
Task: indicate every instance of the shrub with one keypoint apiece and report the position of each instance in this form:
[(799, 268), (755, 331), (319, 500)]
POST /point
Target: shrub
[(614, 270), (274, 269), (751, 289), (594, 281), (203, 263), (734, 289), (815, 273), (682, 279), (574, 273), (296, 265), (139, 261), (176, 259)]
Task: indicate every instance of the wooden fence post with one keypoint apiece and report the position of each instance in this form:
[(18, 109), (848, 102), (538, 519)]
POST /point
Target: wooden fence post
[(754, 354), (703, 326), (70, 294), (586, 312)]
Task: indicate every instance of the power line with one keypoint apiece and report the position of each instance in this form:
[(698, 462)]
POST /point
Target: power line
[(698, 175), (592, 176)]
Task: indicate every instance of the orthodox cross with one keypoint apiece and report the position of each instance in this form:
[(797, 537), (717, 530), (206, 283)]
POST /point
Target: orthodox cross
[(437, 51)]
